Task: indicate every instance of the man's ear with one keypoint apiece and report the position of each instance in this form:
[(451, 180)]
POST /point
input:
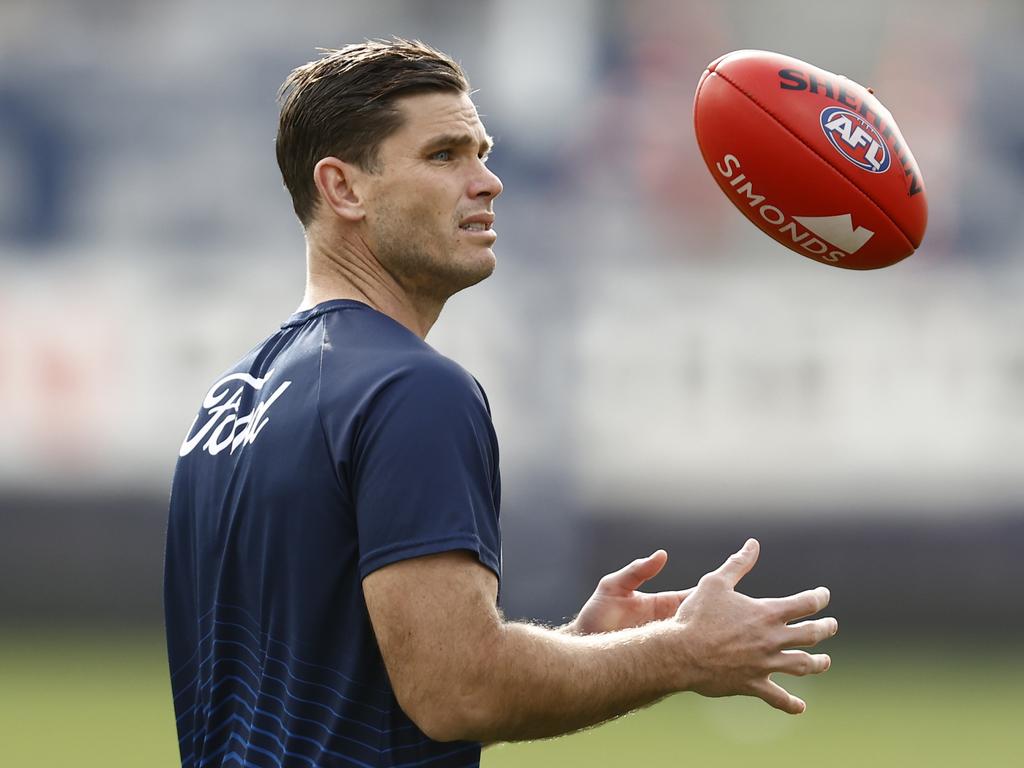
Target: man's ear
[(335, 180)]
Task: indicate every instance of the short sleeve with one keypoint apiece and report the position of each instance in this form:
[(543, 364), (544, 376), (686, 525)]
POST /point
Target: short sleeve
[(425, 469)]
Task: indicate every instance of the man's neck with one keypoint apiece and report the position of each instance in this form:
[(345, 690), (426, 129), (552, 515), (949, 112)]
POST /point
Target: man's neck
[(349, 270)]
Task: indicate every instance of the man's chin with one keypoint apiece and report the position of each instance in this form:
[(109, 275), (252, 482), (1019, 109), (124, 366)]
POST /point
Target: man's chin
[(474, 271)]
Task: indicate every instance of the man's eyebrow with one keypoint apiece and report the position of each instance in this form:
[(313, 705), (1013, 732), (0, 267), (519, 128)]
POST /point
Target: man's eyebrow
[(457, 140)]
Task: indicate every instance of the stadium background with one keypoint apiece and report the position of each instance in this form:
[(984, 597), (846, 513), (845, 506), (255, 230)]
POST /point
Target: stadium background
[(661, 374)]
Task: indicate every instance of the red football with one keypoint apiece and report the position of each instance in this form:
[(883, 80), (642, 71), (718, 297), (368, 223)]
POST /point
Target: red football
[(812, 158)]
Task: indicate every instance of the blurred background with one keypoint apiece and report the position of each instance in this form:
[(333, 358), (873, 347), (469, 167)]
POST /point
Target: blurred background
[(661, 374)]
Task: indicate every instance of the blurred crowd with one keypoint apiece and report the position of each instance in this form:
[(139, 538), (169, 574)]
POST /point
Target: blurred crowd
[(641, 343)]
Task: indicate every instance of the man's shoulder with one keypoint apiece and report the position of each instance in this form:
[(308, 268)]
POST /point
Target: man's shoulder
[(437, 373), (375, 354), (420, 368)]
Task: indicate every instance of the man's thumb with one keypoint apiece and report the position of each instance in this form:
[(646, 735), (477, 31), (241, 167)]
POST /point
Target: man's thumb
[(636, 573), (739, 564)]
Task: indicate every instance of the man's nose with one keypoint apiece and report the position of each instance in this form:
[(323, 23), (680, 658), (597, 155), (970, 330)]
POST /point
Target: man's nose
[(485, 184)]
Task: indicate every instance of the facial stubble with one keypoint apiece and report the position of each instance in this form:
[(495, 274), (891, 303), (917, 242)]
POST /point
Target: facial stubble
[(424, 261)]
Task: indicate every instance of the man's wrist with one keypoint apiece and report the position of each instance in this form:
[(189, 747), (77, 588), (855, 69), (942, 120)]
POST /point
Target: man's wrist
[(690, 669)]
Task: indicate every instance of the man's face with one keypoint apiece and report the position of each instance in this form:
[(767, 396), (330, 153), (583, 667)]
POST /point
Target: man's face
[(429, 210)]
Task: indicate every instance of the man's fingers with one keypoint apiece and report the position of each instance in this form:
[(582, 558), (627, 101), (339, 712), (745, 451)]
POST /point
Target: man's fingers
[(799, 605), (801, 663), (778, 697), (739, 564), (808, 633), (632, 576)]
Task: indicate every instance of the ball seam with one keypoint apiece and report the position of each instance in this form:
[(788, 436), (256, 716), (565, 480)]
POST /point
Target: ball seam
[(823, 159)]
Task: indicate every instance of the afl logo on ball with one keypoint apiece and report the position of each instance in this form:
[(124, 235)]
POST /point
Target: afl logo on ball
[(856, 139)]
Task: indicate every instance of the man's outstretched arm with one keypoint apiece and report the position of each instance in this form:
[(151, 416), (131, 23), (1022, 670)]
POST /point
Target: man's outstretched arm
[(461, 672)]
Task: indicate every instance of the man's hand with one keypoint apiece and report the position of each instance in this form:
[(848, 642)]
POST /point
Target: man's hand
[(616, 604), (462, 672), (735, 642)]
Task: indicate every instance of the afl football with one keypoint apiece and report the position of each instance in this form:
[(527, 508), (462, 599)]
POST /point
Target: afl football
[(811, 158)]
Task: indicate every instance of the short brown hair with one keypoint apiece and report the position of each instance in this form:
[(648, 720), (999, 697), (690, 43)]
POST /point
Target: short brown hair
[(342, 105)]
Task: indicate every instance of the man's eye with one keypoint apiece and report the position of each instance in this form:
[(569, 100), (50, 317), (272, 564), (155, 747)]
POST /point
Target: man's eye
[(443, 155)]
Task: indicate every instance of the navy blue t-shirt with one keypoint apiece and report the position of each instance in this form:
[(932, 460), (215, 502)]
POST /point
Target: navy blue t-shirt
[(339, 445)]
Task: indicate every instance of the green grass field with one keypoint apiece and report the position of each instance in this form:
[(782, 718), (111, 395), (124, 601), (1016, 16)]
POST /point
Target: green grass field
[(100, 701)]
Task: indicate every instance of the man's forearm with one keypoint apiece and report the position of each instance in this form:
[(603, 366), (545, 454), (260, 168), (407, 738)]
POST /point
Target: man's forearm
[(542, 682), (568, 628)]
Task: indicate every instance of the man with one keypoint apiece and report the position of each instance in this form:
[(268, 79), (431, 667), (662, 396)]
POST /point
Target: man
[(333, 552)]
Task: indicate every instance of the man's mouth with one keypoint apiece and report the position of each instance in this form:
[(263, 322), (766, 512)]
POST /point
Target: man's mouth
[(479, 222)]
